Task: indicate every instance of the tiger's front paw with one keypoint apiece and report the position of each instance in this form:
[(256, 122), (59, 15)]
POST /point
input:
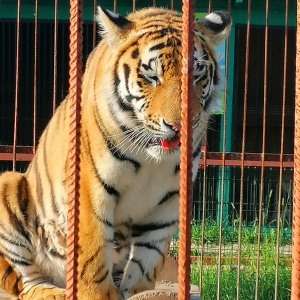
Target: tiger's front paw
[(113, 293), (43, 293)]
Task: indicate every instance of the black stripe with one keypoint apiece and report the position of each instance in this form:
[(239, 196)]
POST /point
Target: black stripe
[(150, 247), (105, 222), (15, 243), (23, 198), (123, 106), (15, 288), (126, 69), (118, 235), (168, 196), (138, 262), (118, 155), (17, 257), (108, 188), (140, 229), (157, 47), (54, 253), (12, 216), (157, 28), (176, 169), (135, 53), (101, 279), (88, 262), (7, 272), (148, 277), (19, 261)]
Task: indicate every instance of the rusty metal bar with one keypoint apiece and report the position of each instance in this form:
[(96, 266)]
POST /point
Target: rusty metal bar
[(263, 152), (295, 282), (210, 159), (34, 73), (243, 151), (95, 23), (221, 201), (204, 164), (75, 81), (209, 6), (54, 100), (186, 139), (172, 4), (16, 85), (281, 148)]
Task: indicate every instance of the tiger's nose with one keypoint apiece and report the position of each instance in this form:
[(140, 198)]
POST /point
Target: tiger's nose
[(175, 125)]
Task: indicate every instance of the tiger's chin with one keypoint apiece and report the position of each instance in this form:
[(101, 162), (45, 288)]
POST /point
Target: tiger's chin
[(158, 153)]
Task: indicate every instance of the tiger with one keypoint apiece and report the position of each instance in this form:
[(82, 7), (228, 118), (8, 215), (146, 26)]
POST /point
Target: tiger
[(129, 162)]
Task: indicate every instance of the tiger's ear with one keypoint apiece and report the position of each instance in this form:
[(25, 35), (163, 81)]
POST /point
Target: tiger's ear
[(112, 26), (214, 26)]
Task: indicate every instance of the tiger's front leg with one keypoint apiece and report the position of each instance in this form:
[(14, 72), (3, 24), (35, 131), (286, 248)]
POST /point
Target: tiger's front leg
[(96, 234), (150, 244)]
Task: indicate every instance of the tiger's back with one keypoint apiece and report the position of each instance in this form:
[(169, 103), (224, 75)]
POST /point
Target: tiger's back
[(129, 163)]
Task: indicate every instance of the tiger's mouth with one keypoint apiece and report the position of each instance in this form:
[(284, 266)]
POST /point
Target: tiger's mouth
[(169, 144), (172, 143)]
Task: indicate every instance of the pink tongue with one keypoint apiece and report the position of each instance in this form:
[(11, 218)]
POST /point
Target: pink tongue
[(170, 144)]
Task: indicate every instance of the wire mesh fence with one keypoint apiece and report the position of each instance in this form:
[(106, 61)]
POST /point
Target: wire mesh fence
[(242, 199)]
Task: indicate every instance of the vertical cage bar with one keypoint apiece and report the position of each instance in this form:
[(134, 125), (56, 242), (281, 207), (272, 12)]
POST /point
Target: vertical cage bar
[(185, 202), (222, 167), (261, 191), (75, 81), (295, 284), (279, 223), (16, 85), (204, 197), (209, 6), (246, 82), (94, 24), (34, 73), (172, 4), (54, 100)]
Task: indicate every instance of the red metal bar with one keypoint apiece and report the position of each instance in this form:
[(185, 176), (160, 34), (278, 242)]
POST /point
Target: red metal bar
[(95, 25), (221, 200), (243, 151), (210, 158), (75, 81), (263, 152), (172, 4), (295, 284), (34, 73), (16, 85), (185, 202), (279, 225), (54, 101)]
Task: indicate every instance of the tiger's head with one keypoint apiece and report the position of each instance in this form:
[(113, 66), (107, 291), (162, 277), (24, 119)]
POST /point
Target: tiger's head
[(146, 51)]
